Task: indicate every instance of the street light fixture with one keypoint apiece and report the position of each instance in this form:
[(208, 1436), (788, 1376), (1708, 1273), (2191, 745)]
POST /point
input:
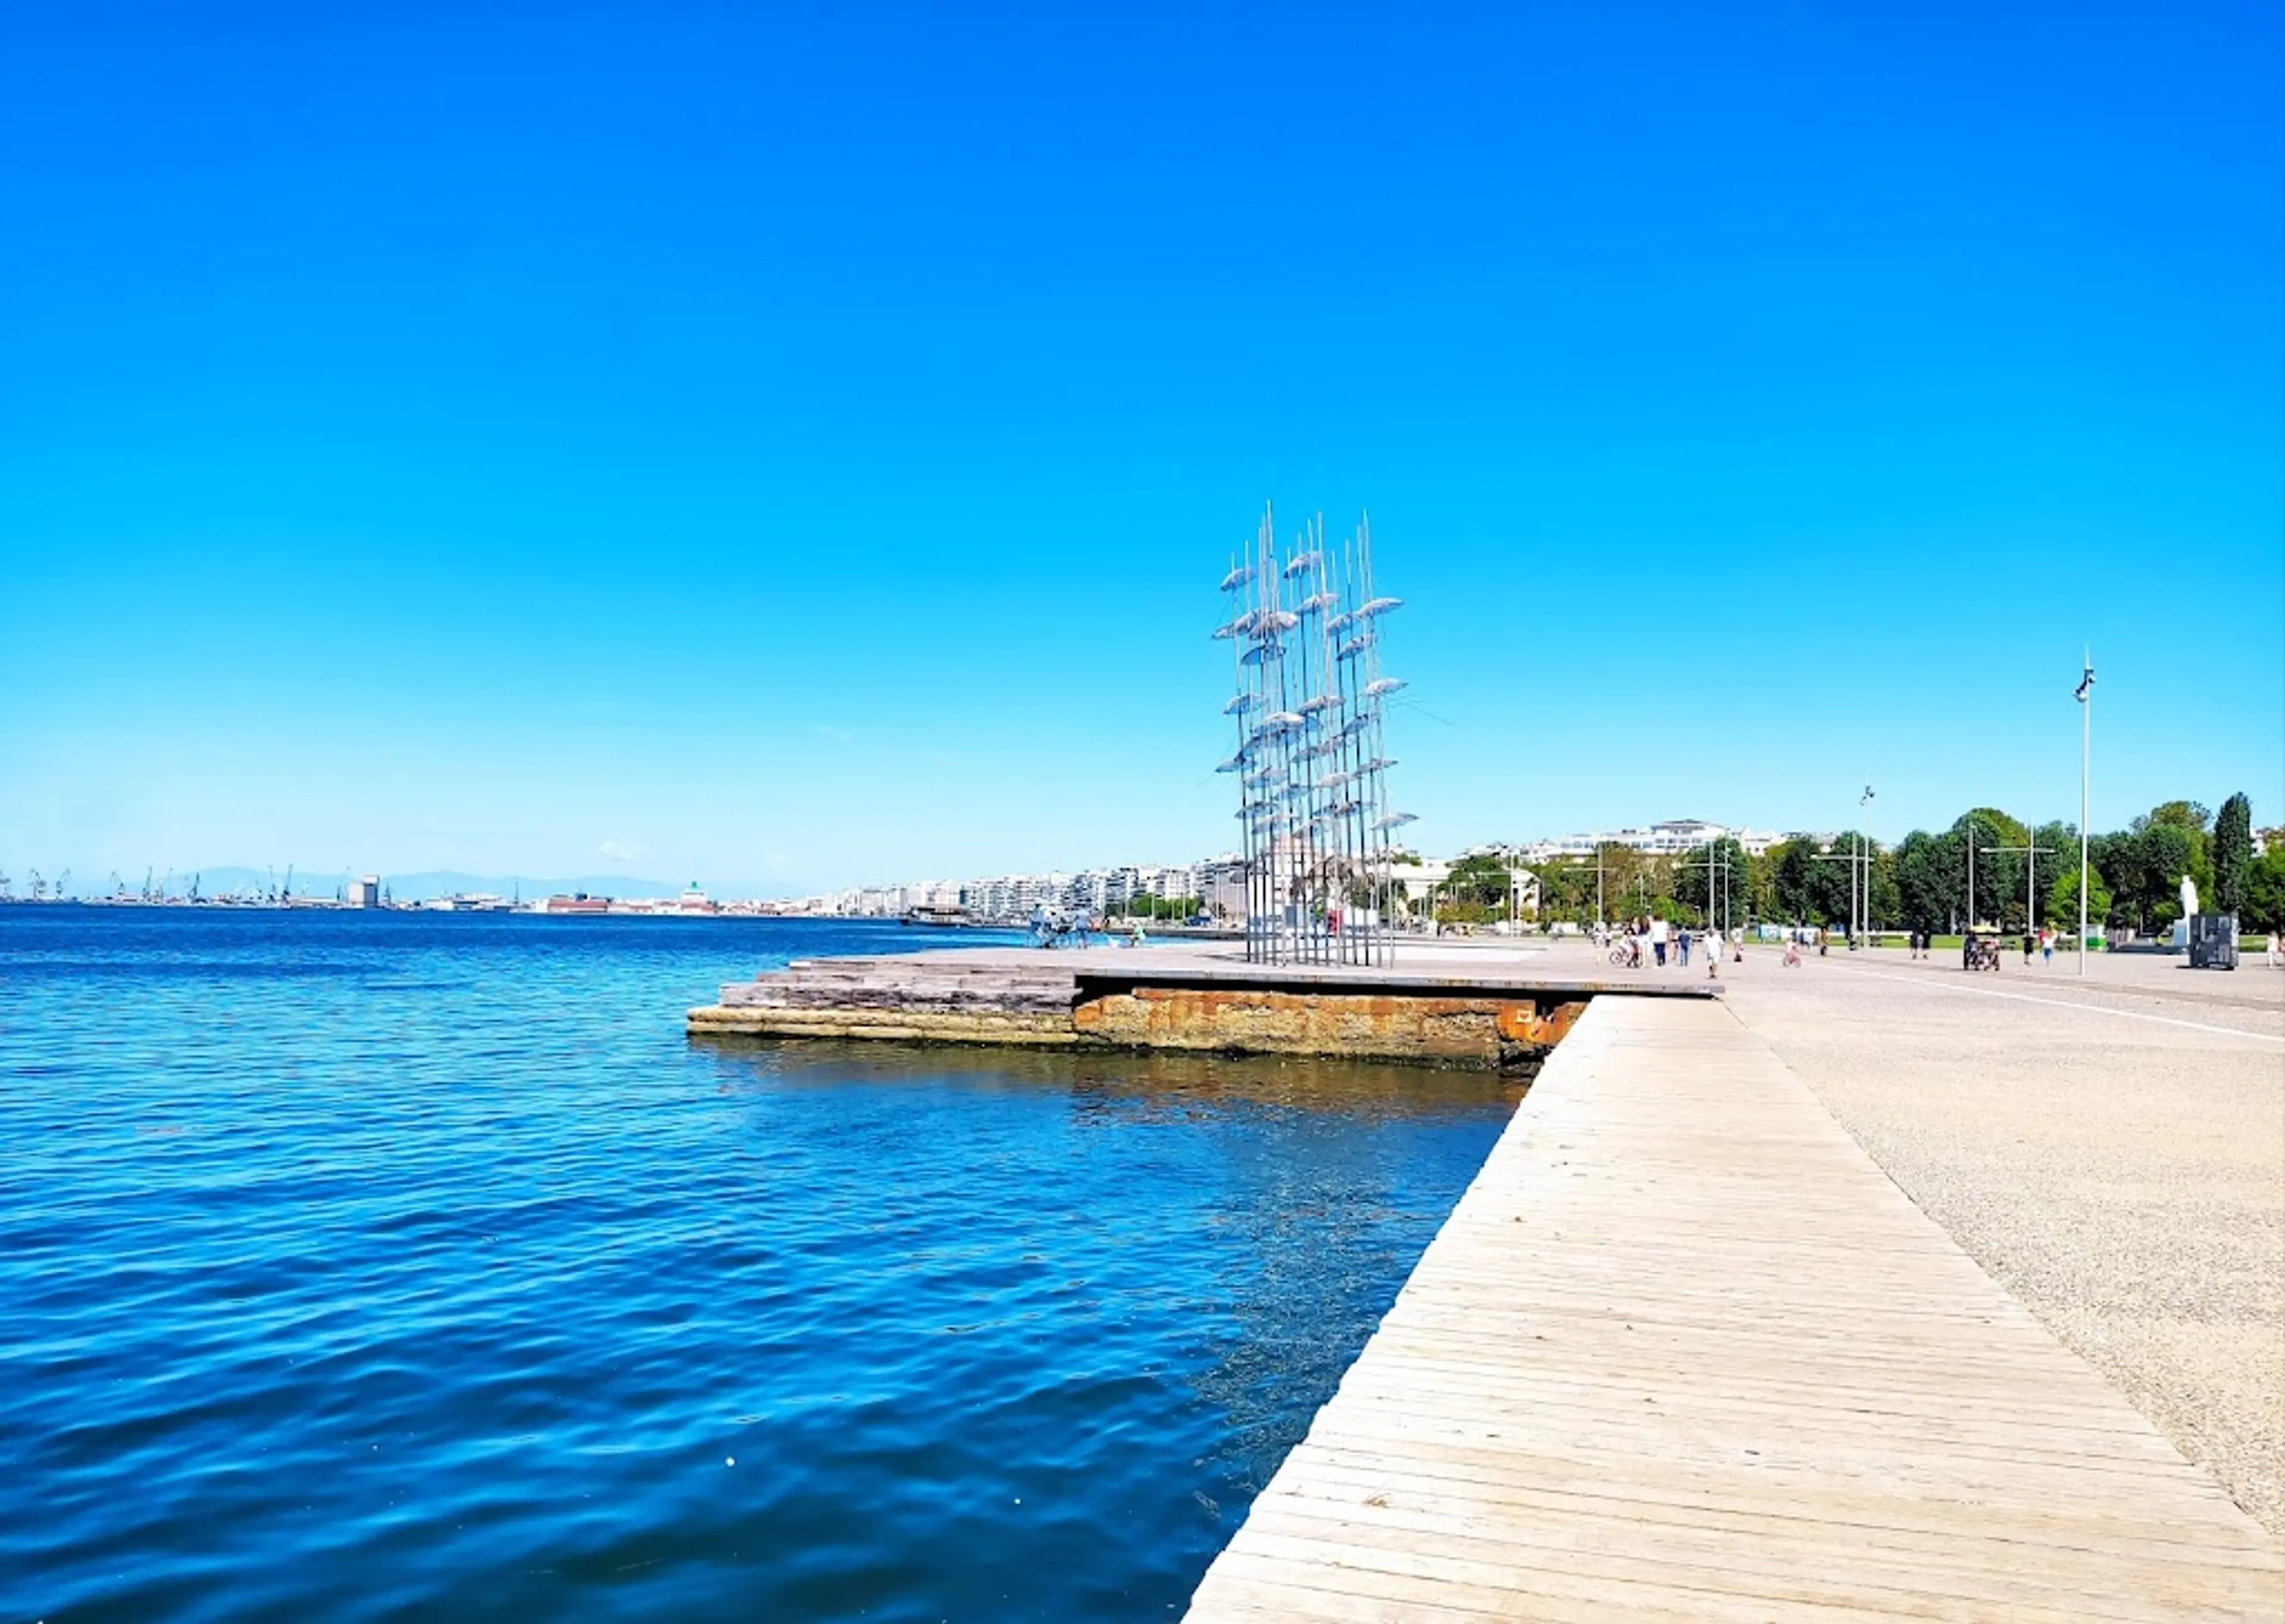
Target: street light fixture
[(2085, 697), (1973, 826), (1860, 877), (2031, 877), (1865, 856), (1713, 860), (1849, 858)]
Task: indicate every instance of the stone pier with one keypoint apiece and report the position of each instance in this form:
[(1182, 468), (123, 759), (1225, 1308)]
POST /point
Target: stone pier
[(1482, 1009)]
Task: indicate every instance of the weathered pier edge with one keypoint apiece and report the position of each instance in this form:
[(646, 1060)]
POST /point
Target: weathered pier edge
[(1497, 1017)]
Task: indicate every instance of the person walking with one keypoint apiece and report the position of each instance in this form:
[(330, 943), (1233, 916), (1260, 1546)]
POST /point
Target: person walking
[(1658, 942), (2276, 954), (1682, 940)]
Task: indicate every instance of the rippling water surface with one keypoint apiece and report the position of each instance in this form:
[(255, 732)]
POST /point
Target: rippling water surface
[(405, 1266)]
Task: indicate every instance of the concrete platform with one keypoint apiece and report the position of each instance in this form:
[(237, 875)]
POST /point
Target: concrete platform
[(1489, 1009), (1684, 1352)]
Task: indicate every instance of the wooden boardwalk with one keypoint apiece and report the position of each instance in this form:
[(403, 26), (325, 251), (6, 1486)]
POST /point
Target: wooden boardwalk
[(1683, 1351)]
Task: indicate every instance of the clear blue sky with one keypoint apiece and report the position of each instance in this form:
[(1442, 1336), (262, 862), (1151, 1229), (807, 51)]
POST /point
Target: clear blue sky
[(802, 445)]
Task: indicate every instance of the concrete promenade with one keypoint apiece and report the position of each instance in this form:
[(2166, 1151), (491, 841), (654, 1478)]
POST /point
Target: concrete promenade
[(2112, 1151), (1684, 1351)]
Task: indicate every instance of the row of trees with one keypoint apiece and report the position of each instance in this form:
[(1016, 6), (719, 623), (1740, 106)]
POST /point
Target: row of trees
[(1160, 907), (1988, 867)]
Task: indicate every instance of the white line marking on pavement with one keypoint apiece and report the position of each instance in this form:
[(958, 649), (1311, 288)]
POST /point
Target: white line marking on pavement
[(2067, 1003)]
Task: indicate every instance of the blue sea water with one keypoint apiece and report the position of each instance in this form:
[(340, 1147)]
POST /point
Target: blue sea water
[(420, 1266)]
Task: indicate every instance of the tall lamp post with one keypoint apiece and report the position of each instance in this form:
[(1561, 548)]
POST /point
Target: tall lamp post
[(1972, 826), (1712, 861), (2031, 877), (1860, 877), (1865, 855), (2085, 755)]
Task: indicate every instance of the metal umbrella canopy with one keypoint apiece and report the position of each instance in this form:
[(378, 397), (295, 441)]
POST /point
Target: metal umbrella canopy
[(1311, 762)]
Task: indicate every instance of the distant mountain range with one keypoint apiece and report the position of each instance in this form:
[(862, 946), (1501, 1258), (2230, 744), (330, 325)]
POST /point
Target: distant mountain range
[(436, 882)]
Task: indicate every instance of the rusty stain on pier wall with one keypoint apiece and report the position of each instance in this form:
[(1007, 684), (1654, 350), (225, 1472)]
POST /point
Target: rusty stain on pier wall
[(1439, 1031)]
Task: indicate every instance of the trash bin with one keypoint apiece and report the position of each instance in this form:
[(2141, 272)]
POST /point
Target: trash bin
[(2213, 941)]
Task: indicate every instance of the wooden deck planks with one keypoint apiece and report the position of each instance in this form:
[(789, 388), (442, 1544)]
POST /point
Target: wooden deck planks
[(1683, 1351)]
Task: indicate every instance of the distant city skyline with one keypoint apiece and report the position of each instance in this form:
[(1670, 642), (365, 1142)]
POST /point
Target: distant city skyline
[(1093, 884), (714, 445)]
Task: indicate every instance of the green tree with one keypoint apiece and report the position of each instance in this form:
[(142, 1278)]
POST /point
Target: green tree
[(1632, 880), (1997, 873), (2058, 843), (1144, 907), (1813, 883), (2063, 901), (1884, 904), (2164, 852), (1729, 891), (1567, 890), (2118, 858), (2265, 890), (2232, 852), (1924, 873), (1999, 828), (1465, 913), (1479, 881), (2192, 821), (2181, 814), (1792, 872)]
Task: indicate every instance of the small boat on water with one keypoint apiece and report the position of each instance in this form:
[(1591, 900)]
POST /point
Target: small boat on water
[(943, 915)]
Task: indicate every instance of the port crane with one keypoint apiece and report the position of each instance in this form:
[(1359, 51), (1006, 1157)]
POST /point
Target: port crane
[(63, 884)]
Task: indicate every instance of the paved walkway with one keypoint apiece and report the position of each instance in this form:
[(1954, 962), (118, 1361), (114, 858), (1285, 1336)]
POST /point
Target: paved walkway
[(1683, 1351), (2112, 1151)]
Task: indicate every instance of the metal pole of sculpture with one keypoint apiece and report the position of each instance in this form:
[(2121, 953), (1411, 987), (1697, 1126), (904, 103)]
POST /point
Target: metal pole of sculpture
[(1310, 761)]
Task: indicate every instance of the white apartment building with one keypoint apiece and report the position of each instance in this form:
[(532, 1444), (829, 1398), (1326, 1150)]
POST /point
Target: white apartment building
[(1417, 881), (1090, 891), (1674, 837), (1221, 881)]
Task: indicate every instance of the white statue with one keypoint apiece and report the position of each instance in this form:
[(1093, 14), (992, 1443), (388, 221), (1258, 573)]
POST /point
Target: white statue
[(2189, 897)]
